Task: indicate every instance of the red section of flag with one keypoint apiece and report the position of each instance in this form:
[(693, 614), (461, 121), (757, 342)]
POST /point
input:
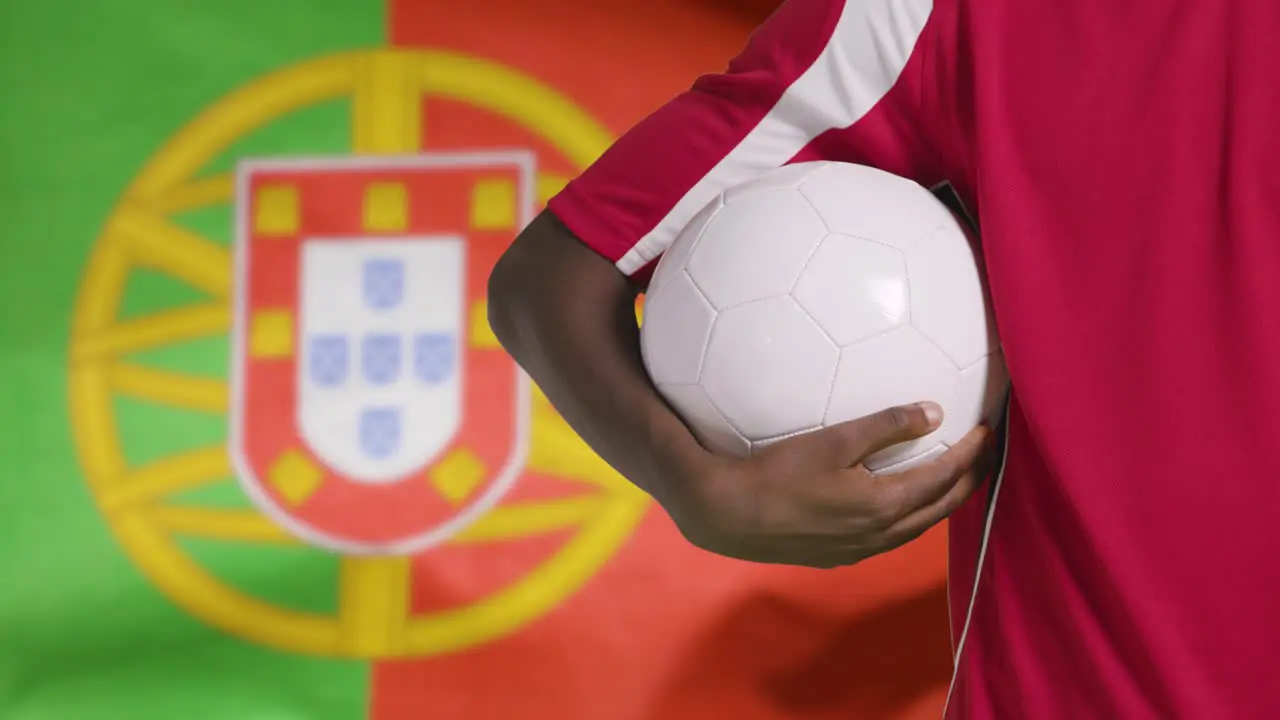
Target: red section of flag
[(663, 631)]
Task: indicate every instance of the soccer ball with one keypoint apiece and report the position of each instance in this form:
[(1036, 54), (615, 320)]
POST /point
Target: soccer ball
[(818, 293)]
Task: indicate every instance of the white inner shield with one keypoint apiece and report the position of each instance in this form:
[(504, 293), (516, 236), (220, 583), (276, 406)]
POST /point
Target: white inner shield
[(380, 361)]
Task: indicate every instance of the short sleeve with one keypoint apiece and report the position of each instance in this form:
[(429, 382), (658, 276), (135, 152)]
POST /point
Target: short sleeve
[(819, 80)]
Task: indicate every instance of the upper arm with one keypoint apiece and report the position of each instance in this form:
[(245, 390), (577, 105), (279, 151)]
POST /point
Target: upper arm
[(821, 79)]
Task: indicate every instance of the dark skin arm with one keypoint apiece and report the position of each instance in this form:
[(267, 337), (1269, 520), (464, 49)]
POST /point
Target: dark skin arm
[(568, 317)]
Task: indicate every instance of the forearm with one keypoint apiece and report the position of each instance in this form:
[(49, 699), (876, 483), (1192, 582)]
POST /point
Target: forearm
[(568, 317)]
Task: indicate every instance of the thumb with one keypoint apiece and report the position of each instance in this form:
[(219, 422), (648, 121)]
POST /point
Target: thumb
[(847, 443)]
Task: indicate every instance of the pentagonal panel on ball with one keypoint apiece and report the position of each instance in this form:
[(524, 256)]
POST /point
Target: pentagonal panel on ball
[(768, 368), (873, 204), (900, 367), (854, 289), (755, 247), (787, 177), (948, 301), (676, 256), (677, 325), (706, 423)]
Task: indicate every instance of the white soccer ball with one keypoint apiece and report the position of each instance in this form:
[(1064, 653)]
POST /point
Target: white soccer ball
[(819, 293)]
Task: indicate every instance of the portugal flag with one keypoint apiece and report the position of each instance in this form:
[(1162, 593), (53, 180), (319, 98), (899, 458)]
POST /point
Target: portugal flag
[(262, 456)]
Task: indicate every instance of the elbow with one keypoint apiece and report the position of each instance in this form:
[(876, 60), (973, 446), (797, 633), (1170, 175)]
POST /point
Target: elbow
[(505, 296), (519, 283), (548, 279)]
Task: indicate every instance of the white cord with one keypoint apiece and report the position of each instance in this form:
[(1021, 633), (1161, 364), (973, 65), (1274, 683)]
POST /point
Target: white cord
[(982, 557)]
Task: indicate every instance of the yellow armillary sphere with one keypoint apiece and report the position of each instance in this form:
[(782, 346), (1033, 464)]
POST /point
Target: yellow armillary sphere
[(373, 617)]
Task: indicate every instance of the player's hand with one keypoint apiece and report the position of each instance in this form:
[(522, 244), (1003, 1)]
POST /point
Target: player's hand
[(809, 501)]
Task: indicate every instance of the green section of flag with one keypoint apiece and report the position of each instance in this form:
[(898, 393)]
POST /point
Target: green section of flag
[(90, 92)]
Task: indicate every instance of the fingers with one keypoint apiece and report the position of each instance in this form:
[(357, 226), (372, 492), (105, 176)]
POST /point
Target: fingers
[(918, 522), (935, 485), (821, 556), (824, 517), (847, 443)]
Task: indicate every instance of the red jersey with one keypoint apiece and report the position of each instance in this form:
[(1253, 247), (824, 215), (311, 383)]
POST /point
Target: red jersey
[(1120, 158)]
